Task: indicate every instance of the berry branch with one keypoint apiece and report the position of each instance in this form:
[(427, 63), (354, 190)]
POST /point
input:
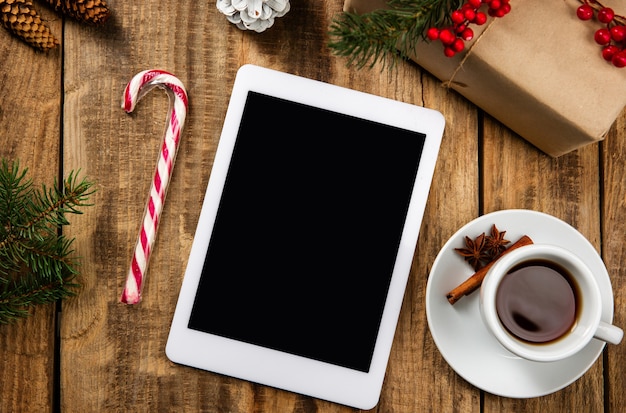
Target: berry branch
[(385, 34), (395, 31), (454, 37), (612, 36)]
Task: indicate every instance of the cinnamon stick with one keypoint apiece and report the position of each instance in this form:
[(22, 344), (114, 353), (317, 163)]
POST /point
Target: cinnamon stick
[(473, 283)]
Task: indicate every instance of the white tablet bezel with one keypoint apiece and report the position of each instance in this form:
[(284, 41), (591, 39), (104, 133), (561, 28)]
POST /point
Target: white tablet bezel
[(275, 368)]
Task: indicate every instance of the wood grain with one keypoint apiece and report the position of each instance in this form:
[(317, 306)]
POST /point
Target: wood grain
[(30, 119), (453, 200), (61, 112), (613, 187)]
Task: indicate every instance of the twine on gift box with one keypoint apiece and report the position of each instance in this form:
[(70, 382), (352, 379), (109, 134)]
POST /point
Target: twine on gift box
[(448, 83)]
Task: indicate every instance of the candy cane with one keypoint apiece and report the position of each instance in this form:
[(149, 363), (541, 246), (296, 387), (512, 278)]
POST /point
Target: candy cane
[(139, 85)]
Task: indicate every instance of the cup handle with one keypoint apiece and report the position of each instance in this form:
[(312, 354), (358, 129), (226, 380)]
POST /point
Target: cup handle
[(609, 333)]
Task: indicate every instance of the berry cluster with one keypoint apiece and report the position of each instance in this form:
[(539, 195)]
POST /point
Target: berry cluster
[(612, 37), (454, 37)]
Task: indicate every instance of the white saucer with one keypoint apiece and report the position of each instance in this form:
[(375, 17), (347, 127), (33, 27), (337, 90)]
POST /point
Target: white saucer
[(458, 330)]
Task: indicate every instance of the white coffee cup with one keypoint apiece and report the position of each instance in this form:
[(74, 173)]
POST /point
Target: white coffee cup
[(534, 284)]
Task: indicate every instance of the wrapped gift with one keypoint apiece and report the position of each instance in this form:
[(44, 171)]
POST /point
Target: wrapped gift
[(537, 70)]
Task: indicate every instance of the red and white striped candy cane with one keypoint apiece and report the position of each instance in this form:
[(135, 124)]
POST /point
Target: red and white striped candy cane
[(141, 84)]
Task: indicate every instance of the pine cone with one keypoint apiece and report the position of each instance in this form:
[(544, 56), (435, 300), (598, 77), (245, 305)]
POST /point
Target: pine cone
[(257, 15), (86, 11), (21, 19)]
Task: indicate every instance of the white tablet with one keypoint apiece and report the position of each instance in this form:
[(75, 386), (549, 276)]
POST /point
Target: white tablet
[(306, 236)]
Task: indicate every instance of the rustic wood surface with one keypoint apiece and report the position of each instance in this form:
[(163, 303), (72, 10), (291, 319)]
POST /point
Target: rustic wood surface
[(61, 111)]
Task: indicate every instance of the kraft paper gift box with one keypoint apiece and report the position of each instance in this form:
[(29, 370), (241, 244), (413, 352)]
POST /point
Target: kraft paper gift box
[(537, 70)]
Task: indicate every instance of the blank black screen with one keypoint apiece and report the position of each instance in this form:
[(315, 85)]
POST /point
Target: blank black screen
[(307, 232)]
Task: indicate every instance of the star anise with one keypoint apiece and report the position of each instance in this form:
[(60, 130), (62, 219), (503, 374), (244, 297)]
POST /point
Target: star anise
[(495, 243), (474, 251)]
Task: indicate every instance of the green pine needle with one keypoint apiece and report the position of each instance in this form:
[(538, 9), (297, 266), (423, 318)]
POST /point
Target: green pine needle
[(384, 35), (36, 266)]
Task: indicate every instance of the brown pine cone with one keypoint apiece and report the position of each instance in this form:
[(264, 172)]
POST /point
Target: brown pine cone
[(86, 11), (21, 19)]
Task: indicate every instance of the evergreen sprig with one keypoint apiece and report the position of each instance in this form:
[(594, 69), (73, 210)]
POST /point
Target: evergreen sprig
[(383, 35), (36, 266)]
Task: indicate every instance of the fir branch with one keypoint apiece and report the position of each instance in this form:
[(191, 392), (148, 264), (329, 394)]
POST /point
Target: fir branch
[(384, 34), (36, 266), (49, 206), (14, 188), (17, 297)]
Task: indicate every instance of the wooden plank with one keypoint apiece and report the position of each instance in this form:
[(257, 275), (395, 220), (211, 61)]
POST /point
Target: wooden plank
[(614, 253), (119, 349), (418, 377), (516, 175), (29, 118)]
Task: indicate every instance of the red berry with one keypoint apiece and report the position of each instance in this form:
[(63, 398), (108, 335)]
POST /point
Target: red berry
[(465, 7), (606, 14), (470, 14), (609, 51), (506, 8), (448, 51), (618, 33), (446, 36), (457, 17), (474, 3), (602, 36), (458, 45), (467, 34), (481, 18), (496, 12), (585, 12), (432, 33), (494, 4), (619, 59), (460, 28)]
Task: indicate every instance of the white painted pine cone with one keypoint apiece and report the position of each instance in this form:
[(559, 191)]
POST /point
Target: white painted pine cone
[(257, 15)]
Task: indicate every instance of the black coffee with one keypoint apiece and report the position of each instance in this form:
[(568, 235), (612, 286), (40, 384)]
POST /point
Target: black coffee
[(537, 301)]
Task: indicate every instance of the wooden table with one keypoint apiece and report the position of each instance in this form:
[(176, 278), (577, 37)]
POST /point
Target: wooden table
[(61, 111)]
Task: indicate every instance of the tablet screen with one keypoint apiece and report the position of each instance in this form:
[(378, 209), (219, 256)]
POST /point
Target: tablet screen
[(307, 231)]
